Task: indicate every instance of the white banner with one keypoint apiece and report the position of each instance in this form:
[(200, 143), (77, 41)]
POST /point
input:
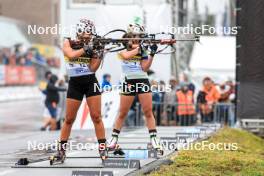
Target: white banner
[(110, 107), (2, 74)]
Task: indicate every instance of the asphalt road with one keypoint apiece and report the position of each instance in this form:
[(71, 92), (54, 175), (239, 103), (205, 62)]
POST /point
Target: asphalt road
[(20, 116), (20, 122)]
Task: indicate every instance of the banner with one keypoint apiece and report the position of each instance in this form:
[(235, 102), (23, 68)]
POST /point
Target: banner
[(27, 75), (110, 106), (2, 74), (12, 75), (19, 75)]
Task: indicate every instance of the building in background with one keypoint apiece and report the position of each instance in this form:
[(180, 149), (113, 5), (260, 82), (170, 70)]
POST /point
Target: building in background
[(180, 59), (32, 12)]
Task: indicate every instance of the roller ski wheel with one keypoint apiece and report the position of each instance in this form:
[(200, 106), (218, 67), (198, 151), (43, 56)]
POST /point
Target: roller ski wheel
[(57, 159)]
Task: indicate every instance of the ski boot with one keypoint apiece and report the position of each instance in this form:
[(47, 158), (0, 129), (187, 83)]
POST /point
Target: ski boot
[(58, 158), (113, 146), (103, 151), (156, 145)]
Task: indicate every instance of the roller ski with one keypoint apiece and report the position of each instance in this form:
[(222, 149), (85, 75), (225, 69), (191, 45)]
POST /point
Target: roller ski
[(156, 145), (115, 148), (59, 158), (103, 151)]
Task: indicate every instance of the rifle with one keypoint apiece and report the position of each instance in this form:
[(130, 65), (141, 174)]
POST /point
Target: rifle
[(112, 44)]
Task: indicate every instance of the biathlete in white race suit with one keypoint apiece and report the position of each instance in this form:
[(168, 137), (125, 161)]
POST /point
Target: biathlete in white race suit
[(135, 62), (82, 62)]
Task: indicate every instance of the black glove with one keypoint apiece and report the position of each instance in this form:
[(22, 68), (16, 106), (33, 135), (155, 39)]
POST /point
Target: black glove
[(88, 49), (142, 48), (153, 50), (100, 47), (99, 51)]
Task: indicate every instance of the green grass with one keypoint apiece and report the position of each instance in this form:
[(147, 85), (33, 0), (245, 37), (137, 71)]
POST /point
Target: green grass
[(247, 160)]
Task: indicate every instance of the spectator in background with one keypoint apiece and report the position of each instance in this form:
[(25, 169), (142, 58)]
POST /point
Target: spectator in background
[(61, 104), (186, 80), (131, 115), (224, 91), (43, 89), (185, 108), (6, 55), (156, 100), (222, 110), (29, 58), (162, 91), (12, 60), (232, 99), (226, 97), (155, 91), (18, 50), (22, 61), (106, 85), (38, 58), (170, 100), (52, 100), (1, 57), (206, 100), (231, 91)]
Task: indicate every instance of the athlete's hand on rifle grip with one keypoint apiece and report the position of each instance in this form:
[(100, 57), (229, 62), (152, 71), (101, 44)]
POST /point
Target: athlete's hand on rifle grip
[(153, 50), (88, 49), (100, 47), (142, 48)]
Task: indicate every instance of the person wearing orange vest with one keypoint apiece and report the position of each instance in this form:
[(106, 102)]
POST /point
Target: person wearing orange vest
[(185, 108), (206, 99)]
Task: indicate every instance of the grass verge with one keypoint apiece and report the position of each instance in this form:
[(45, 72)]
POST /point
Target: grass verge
[(246, 160)]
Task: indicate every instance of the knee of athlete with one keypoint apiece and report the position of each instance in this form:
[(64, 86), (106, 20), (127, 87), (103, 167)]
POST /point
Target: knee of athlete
[(96, 117), (148, 113), (69, 121), (122, 114)]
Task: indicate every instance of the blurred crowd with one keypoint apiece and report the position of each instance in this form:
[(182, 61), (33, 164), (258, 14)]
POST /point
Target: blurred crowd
[(16, 56), (19, 55), (183, 105), (180, 105)]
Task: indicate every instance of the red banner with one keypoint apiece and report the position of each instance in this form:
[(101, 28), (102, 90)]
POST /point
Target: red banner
[(11, 75), (27, 75), (20, 75)]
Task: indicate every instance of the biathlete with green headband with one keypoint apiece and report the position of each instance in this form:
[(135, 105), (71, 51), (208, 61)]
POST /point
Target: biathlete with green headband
[(136, 61)]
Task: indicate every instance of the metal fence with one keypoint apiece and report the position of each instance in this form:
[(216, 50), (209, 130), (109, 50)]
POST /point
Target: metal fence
[(168, 114)]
